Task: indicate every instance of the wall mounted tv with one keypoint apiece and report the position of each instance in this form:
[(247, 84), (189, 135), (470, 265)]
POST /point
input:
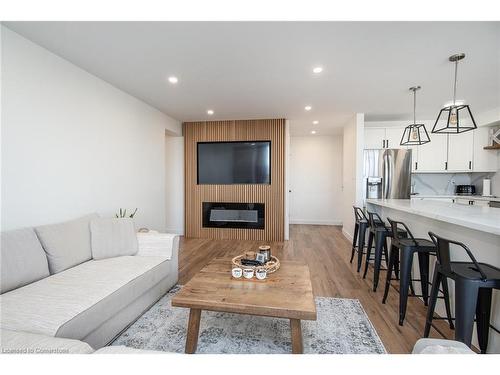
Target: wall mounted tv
[(227, 163)]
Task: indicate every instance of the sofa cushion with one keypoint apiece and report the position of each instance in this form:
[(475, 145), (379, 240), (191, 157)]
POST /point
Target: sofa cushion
[(75, 302), (23, 260), (113, 237), (66, 244), (18, 342)]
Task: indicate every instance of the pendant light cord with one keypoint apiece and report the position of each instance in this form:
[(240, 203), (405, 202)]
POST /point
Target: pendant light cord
[(414, 107), (455, 85)]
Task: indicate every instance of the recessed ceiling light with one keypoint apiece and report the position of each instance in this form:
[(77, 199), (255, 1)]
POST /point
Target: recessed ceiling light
[(313, 131), (315, 122), (307, 107), (317, 69), (173, 80), (210, 112)]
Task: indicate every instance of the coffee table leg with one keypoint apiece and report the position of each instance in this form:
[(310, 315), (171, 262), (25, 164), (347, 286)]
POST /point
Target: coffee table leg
[(297, 347), (193, 330)]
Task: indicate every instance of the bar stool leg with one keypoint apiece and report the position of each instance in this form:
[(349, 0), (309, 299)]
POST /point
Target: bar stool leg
[(392, 257), (423, 264), (483, 312), (404, 282), (465, 307), (446, 295), (436, 278), (354, 239), (380, 239), (368, 253), (361, 244), (396, 264)]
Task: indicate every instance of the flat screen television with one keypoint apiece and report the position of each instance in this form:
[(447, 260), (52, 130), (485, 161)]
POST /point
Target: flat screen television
[(227, 163)]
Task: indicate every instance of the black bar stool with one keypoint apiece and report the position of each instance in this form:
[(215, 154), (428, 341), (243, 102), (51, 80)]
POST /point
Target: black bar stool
[(360, 226), (379, 232), (474, 283), (407, 247)]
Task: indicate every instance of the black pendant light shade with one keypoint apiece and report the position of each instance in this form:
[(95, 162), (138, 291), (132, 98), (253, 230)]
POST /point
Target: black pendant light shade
[(455, 117), (415, 134)]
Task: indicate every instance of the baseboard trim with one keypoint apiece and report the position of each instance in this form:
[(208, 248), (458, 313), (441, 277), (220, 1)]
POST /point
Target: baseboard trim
[(314, 222), (346, 235)]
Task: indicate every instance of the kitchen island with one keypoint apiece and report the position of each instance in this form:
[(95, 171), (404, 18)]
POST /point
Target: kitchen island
[(476, 226)]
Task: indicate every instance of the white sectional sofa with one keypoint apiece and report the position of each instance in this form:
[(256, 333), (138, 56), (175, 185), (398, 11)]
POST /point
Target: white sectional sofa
[(66, 281)]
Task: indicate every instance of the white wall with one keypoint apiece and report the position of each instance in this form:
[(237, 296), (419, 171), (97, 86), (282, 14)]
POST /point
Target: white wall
[(352, 170), (316, 180), (174, 184), (73, 144)]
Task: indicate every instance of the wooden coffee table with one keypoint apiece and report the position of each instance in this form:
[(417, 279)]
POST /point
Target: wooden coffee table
[(287, 293)]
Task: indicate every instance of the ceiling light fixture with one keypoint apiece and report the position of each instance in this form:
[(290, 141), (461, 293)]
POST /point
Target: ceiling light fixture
[(315, 122), (317, 70), (173, 80), (457, 114), (307, 107), (313, 131), (415, 134), (210, 112)]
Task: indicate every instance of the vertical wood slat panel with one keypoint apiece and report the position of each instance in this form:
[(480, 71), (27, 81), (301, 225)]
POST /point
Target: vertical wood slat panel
[(271, 195)]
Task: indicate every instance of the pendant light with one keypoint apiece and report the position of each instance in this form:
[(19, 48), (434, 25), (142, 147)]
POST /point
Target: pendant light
[(415, 134), (456, 114)]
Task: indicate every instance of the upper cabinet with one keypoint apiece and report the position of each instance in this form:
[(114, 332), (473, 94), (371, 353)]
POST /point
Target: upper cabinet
[(483, 160), (445, 153), (460, 152), (393, 137), (432, 156), (374, 138)]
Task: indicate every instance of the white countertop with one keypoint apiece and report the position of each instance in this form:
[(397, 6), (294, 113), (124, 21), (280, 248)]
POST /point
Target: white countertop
[(485, 219), (470, 197)]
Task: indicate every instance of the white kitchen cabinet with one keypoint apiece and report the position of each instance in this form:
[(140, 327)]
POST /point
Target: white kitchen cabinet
[(460, 152), (374, 138), (393, 137), (483, 160), (378, 138), (432, 156)]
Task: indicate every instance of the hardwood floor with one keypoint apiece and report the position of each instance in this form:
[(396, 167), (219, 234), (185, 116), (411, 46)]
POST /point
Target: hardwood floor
[(327, 252)]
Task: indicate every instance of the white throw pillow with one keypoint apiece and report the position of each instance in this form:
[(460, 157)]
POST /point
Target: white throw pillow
[(66, 244), (113, 238)]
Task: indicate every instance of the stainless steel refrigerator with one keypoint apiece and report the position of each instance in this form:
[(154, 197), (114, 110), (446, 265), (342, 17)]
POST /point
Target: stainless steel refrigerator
[(387, 174)]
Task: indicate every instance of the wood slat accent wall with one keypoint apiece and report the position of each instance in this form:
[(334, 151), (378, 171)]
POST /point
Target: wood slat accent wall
[(271, 195)]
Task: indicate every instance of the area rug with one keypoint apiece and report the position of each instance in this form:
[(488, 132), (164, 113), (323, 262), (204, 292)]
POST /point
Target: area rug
[(342, 327)]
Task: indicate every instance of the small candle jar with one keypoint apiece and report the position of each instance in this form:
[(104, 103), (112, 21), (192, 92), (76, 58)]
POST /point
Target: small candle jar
[(261, 273), (266, 250), (248, 273), (236, 272)]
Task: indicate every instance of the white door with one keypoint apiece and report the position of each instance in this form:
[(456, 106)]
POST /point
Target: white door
[(483, 160), (374, 138), (460, 150), (432, 156), (393, 137)]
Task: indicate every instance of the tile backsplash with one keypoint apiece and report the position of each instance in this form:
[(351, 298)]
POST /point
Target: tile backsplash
[(444, 183)]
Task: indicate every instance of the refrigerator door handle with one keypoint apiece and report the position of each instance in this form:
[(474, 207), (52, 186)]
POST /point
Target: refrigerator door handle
[(386, 178)]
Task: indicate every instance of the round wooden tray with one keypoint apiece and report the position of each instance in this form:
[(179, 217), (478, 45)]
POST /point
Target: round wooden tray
[(271, 266)]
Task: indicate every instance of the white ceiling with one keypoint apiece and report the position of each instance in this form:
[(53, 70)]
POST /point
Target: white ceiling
[(264, 70)]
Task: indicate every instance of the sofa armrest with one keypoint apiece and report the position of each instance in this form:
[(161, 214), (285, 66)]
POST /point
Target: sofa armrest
[(20, 342), (158, 244)]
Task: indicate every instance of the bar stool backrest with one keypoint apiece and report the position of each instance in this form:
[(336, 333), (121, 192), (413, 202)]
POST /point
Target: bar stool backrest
[(359, 214), (375, 220), (396, 235), (443, 253)]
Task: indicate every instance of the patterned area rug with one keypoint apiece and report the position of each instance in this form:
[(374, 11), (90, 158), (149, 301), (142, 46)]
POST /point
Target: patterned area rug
[(342, 327)]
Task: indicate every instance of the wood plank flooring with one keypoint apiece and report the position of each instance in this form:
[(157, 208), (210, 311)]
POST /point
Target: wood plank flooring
[(327, 252)]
